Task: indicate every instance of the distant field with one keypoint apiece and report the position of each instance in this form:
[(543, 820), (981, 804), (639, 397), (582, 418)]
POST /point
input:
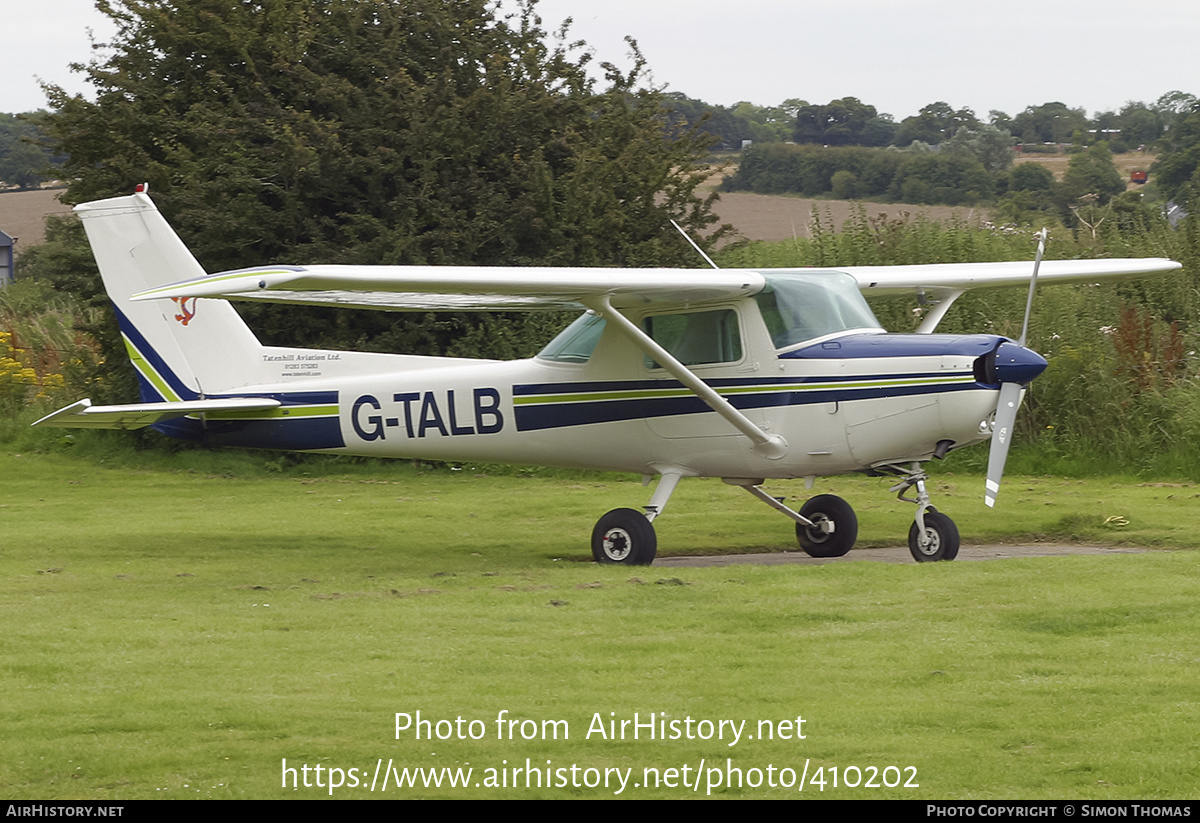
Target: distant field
[(1125, 163), (781, 217), (774, 217), (23, 215), (755, 216)]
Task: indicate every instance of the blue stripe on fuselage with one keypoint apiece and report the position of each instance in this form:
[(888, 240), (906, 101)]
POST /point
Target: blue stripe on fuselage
[(293, 434), (557, 415), (296, 434), (772, 391)]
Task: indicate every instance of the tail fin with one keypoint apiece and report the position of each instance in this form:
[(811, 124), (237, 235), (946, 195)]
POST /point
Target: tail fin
[(182, 351)]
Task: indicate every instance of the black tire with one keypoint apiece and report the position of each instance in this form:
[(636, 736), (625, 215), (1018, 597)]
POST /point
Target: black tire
[(845, 527), (624, 536), (944, 535)]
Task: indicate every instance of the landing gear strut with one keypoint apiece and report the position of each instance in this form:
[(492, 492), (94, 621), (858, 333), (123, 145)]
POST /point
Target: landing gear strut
[(826, 525), (627, 535), (933, 535)]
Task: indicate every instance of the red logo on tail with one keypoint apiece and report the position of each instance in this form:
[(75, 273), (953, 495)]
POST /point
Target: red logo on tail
[(187, 312)]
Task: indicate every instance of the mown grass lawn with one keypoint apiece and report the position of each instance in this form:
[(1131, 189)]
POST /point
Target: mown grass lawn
[(182, 633)]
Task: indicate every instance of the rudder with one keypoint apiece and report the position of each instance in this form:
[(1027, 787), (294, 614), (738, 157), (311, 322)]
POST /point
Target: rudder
[(183, 349)]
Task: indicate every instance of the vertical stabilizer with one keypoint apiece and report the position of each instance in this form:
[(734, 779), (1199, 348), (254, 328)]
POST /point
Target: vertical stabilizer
[(182, 349)]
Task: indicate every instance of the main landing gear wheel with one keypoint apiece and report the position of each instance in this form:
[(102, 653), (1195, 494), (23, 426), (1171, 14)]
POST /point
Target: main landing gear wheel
[(943, 538), (624, 536), (822, 508)]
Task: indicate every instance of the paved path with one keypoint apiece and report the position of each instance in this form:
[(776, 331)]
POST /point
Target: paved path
[(895, 554)]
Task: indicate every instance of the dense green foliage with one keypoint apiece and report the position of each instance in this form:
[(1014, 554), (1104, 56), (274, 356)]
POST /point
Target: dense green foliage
[(972, 168), (953, 177), (851, 122), (407, 131), (845, 122), (731, 126), (1177, 172), (24, 161), (394, 132)]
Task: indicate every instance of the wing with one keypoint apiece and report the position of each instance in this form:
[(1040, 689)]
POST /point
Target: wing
[(83, 415), (441, 288), (940, 284), (950, 277), (457, 288)]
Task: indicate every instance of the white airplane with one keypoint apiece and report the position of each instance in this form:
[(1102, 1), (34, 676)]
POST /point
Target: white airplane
[(739, 374)]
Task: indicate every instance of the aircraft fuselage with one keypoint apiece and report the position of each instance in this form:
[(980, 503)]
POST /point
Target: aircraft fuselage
[(842, 404)]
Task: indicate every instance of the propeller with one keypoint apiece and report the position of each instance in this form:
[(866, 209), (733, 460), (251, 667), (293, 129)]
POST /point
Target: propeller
[(1014, 367)]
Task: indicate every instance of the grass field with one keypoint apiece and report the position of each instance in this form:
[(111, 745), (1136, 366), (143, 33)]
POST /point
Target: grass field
[(182, 633), (1126, 162)]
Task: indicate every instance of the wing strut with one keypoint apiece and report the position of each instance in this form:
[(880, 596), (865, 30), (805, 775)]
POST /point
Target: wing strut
[(944, 301), (771, 446)]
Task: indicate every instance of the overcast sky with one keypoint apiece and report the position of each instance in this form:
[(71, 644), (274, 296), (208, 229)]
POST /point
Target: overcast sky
[(897, 56)]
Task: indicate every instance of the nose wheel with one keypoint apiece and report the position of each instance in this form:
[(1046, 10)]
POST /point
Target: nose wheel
[(932, 536), (940, 538)]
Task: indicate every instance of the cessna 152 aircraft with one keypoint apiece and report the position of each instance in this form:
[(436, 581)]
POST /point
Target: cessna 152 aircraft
[(739, 374)]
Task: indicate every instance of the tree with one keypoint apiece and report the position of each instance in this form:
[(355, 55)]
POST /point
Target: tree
[(728, 126), (991, 146), (1031, 177), (934, 124), (1030, 197), (770, 123), (838, 123), (1140, 125), (380, 131), (930, 178), (23, 162), (1092, 174), (1048, 123), (1177, 172), (878, 131), (1173, 105)]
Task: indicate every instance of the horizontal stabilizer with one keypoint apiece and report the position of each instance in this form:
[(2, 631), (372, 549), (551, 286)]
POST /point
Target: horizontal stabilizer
[(83, 415)]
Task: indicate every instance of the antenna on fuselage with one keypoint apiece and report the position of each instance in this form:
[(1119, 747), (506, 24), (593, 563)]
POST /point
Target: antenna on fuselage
[(679, 229)]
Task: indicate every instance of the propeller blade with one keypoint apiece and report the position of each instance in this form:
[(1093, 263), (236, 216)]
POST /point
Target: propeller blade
[(1002, 432), (1010, 390)]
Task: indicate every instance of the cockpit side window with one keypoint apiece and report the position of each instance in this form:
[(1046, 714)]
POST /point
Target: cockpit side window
[(801, 306), (696, 338)]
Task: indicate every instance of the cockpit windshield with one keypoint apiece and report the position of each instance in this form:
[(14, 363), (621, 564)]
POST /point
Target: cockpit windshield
[(576, 342), (802, 306)]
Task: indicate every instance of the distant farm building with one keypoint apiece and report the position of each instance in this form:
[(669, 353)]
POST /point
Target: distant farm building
[(6, 259)]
